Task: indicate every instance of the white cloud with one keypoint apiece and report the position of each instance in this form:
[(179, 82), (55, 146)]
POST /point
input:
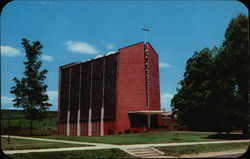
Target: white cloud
[(53, 96), (80, 47), (10, 51), (166, 100), (164, 65), (47, 58), (6, 103), (6, 100), (109, 46), (53, 99)]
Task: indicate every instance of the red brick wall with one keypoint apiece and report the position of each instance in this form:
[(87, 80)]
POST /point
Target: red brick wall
[(73, 127), (154, 87), (96, 128), (139, 129), (84, 129), (109, 127), (131, 90), (62, 129)]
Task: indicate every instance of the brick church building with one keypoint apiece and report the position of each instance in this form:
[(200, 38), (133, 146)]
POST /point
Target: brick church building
[(111, 94)]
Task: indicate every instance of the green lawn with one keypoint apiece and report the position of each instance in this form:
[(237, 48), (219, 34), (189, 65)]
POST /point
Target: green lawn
[(116, 153), (20, 126), (21, 144), (195, 149), (140, 138), (109, 153)]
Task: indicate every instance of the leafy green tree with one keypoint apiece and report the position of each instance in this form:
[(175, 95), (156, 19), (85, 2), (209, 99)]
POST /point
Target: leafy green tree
[(30, 91), (190, 101), (233, 66), (214, 92)]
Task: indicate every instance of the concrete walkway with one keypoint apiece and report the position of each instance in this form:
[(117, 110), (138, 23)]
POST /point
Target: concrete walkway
[(184, 143), (227, 154), (94, 146), (55, 140)]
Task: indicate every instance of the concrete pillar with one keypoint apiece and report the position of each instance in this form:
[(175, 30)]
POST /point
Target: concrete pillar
[(90, 103), (102, 123), (68, 124), (90, 123), (68, 115), (78, 131), (78, 123), (102, 109)]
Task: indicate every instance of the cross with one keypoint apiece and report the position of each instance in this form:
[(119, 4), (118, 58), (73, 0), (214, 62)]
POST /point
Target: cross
[(145, 31)]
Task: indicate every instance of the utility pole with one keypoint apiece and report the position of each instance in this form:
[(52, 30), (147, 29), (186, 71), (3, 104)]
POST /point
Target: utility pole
[(9, 130)]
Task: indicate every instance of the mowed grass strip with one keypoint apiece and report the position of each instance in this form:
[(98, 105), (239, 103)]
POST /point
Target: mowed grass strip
[(20, 126), (107, 153), (22, 144), (141, 138), (202, 148)]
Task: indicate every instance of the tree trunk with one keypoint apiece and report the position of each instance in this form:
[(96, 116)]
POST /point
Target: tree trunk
[(31, 126), (245, 132)]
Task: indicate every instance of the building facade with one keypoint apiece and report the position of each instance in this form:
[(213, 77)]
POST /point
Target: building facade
[(112, 94)]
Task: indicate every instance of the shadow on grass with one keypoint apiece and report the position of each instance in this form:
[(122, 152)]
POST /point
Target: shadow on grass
[(228, 136)]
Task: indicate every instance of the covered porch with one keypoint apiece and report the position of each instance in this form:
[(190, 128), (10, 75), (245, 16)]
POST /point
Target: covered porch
[(148, 118)]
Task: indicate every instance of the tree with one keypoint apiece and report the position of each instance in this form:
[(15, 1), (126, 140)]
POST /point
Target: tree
[(30, 91), (233, 65), (214, 92), (189, 104)]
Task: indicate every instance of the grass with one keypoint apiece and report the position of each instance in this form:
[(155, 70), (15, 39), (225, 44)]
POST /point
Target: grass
[(195, 149), (109, 153), (22, 144), (141, 138), (20, 126)]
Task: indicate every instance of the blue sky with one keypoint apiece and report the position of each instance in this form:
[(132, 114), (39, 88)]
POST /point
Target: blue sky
[(79, 30)]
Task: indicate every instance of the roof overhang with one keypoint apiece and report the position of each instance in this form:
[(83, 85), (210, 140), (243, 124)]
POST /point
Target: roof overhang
[(149, 112)]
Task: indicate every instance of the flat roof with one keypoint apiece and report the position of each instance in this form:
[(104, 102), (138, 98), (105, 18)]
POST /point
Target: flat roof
[(91, 59), (150, 112), (102, 56)]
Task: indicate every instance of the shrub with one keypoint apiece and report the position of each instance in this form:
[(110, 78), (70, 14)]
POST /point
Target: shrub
[(135, 131), (127, 131)]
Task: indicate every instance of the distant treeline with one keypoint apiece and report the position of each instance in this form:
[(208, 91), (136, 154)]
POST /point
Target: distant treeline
[(19, 114), (19, 125)]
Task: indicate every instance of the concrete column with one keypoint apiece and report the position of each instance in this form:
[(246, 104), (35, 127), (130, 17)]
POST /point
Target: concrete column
[(90, 123), (90, 103), (149, 117), (78, 133), (68, 124), (102, 109), (68, 115), (102, 123), (78, 123)]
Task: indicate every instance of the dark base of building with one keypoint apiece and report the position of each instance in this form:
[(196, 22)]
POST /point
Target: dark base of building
[(138, 124), (109, 129)]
